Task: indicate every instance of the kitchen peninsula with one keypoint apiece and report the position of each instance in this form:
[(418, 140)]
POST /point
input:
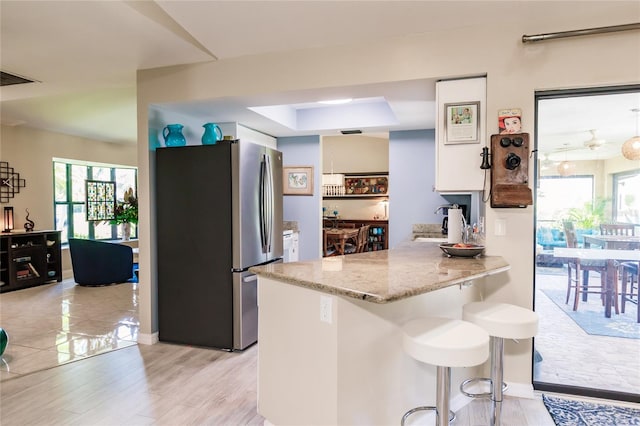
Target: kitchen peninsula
[(329, 335)]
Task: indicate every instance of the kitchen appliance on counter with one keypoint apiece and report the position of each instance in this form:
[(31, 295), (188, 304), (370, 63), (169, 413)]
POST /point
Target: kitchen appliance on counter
[(219, 212), (445, 220)]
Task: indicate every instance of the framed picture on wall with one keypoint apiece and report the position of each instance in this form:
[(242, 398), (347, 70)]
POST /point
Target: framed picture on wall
[(101, 200), (462, 123), (297, 180)]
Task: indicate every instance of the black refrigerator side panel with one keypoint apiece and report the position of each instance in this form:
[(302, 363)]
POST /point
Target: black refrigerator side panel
[(193, 211)]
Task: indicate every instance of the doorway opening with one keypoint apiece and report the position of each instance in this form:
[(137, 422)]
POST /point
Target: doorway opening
[(586, 344)]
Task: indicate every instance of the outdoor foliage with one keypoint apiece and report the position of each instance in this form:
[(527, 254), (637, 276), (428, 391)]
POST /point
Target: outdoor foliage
[(591, 215)]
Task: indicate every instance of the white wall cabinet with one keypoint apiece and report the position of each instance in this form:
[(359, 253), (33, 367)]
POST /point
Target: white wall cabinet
[(458, 165)]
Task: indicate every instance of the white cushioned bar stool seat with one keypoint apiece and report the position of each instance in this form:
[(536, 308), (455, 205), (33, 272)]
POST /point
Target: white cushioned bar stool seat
[(445, 343), (501, 321)]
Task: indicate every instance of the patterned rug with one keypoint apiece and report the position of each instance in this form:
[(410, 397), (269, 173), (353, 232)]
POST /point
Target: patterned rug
[(566, 412), (590, 316)]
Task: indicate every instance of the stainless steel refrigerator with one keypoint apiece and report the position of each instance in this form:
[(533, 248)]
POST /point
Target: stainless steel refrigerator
[(218, 212)]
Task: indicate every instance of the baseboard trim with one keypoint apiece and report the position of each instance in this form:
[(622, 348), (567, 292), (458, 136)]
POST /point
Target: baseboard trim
[(520, 390), (148, 339)]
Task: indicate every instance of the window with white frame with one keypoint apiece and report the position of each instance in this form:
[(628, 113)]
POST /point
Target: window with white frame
[(626, 192), (558, 195)]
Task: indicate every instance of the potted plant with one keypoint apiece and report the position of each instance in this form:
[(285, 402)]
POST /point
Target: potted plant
[(588, 218), (126, 213)]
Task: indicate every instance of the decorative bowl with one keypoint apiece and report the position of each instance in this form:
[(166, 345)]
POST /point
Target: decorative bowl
[(472, 250)]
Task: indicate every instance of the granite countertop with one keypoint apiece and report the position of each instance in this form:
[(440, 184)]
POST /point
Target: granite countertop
[(384, 276)]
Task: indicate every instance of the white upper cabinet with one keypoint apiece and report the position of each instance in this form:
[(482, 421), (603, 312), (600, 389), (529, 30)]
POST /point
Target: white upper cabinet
[(460, 134)]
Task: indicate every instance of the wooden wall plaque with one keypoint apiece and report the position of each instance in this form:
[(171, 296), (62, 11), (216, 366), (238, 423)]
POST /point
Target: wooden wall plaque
[(510, 171)]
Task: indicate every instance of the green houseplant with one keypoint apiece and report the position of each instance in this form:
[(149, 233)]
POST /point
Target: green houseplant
[(590, 215), (126, 213)]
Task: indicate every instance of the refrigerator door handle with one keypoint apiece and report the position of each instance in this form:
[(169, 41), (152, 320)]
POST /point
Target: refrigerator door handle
[(266, 204), (270, 198)]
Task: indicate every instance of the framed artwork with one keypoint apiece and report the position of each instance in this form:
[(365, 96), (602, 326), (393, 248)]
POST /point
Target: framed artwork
[(462, 123), (509, 121), (101, 200), (297, 180)]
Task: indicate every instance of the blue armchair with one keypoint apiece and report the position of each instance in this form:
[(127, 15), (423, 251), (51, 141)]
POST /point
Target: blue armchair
[(98, 263)]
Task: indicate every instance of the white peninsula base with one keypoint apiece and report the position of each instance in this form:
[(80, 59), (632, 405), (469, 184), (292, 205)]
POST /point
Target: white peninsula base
[(326, 359)]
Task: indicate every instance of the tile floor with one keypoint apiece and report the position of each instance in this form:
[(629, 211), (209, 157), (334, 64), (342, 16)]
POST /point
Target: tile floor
[(59, 323), (573, 357), (62, 322)]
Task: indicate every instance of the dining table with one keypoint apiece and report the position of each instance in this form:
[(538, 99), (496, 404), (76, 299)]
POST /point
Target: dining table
[(340, 236), (611, 256), (614, 242)]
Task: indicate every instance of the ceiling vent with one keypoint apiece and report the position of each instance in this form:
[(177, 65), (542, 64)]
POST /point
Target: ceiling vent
[(10, 79), (351, 132)]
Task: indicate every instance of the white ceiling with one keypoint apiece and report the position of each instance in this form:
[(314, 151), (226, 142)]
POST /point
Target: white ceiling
[(84, 56)]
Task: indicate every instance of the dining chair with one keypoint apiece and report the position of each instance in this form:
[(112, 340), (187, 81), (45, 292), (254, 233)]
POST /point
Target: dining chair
[(627, 229), (580, 286), (358, 245), (363, 238), (632, 292), (328, 247)]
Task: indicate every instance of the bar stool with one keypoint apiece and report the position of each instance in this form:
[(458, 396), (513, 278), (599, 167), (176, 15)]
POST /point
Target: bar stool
[(444, 343), (501, 321)]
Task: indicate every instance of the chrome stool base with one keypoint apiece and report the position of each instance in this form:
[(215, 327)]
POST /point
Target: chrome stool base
[(452, 415), (443, 393), (479, 394)]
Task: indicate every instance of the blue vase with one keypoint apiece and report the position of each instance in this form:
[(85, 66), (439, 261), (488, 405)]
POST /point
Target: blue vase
[(173, 135), (212, 134)]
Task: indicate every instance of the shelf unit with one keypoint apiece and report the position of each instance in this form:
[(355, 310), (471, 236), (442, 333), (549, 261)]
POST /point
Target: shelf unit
[(361, 186), (28, 259), (378, 231)]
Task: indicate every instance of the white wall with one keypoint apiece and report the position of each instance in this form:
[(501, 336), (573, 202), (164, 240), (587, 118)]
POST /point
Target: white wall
[(355, 154), (514, 72), (31, 151)]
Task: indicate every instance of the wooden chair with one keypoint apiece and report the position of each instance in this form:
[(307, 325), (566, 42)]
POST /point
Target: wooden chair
[(627, 229), (576, 265), (632, 292), (360, 243), (363, 238), (328, 248)]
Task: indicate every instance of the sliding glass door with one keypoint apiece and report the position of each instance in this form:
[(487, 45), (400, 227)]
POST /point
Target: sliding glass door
[(583, 181)]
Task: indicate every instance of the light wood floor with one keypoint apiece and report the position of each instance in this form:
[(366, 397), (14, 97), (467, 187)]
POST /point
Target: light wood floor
[(73, 360), (607, 363), (167, 384)]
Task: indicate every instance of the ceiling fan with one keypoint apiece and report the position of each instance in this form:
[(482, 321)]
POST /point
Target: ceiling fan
[(595, 142), (545, 162), (589, 145)]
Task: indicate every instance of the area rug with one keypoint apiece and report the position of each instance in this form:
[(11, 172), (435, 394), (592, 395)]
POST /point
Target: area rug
[(567, 412), (590, 316)]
